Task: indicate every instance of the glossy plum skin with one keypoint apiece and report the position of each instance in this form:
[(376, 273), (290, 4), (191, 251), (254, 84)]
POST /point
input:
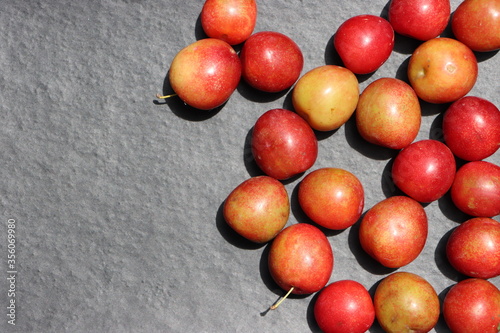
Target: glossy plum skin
[(258, 208), (472, 305), (406, 302), (283, 144), (424, 170), (476, 189), (442, 70), (271, 61), (301, 257), (364, 43), (476, 24), (326, 96), (419, 19), (388, 113), (232, 21), (344, 307), (394, 231), (332, 197), (205, 73), (473, 248), (471, 128)]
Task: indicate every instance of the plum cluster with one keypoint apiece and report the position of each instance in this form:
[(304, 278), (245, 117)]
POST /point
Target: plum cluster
[(387, 112)]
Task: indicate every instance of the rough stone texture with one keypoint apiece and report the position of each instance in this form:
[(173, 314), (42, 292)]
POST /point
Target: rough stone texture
[(117, 199)]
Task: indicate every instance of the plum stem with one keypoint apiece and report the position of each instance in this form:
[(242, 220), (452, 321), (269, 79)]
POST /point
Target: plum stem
[(166, 96), (275, 305)]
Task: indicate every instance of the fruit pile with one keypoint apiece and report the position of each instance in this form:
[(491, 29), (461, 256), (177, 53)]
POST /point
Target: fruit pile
[(387, 113)]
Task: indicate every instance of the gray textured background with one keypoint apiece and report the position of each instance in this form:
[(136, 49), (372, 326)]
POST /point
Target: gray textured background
[(117, 199)]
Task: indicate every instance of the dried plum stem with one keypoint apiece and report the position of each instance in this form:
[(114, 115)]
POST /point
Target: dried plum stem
[(166, 96), (275, 305)]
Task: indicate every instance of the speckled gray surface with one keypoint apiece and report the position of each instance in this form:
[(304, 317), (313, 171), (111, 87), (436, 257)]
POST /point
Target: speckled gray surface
[(116, 199)]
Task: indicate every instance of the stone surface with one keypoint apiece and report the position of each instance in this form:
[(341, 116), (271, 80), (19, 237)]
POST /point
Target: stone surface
[(117, 199)]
